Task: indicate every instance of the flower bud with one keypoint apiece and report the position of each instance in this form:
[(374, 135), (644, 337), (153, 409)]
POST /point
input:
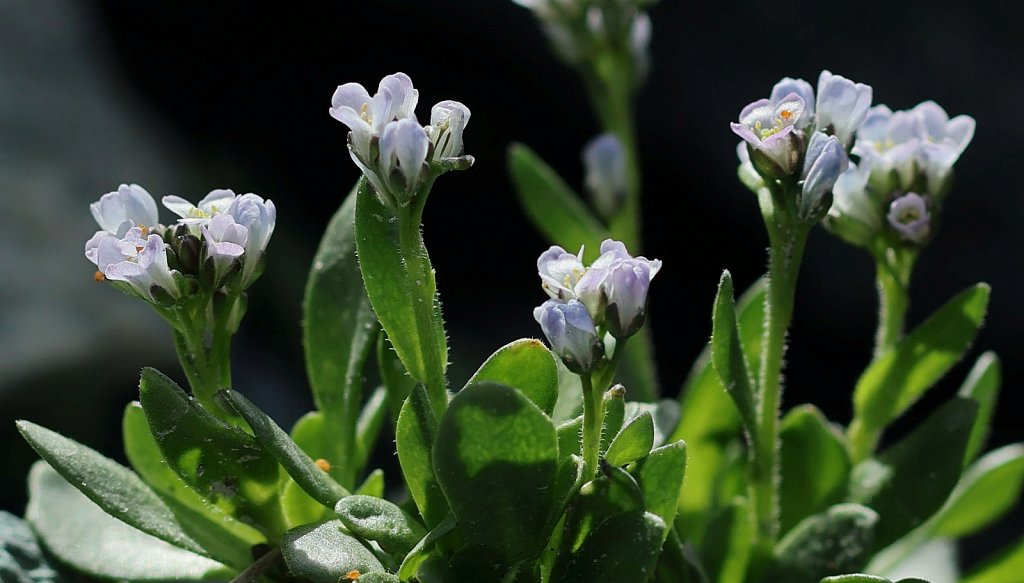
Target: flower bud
[(448, 119), (824, 162), (571, 333), (604, 160), (259, 218), (909, 216), (626, 289)]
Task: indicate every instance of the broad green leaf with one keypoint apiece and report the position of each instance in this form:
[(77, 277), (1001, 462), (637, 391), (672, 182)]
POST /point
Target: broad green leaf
[(381, 521), (1007, 565), (832, 542), (83, 536), (614, 416), (221, 462), (989, 488), (624, 547), (400, 283), (371, 420), (726, 549), (111, 486), (298, 507), (496, 458), (570, 478), (679, 562), (394, 376), (526, 365), (570, 435), (22, 559), (419, 553), (815, 465), (892, 383), (551, 204), (315, 481), (373, 485), (982, 385), (911, 481), (727, 354), (665, 413), (660, 476), (324, 553), (228, 540), (414, 440), (339, 330), (570, 395), (632, 443)]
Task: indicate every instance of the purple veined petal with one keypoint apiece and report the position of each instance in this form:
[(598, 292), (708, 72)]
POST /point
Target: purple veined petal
[(626, 287), (801, 88), (152, 250), (616, 248), (350, 95)]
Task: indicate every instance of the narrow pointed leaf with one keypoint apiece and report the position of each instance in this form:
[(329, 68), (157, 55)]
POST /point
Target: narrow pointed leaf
[(727, 354), (632, 443), (988, 489), (1006, 565), (982, 385), (371, 420), (414, 440)]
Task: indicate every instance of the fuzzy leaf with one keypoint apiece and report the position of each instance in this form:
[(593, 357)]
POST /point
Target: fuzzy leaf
[(832, 542), (727, 354), (632, 443), (381, 521), (982, 385), (324, 553), (660, 476), (414, 440), (526, 365)]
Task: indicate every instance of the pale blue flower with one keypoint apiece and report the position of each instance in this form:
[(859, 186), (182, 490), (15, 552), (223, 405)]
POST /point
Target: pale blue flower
[(571, 333), (768, 127), (367, 116), (856, 215), (560, 271), (137, 259), (626, 289), (842, 106), (595, 289), (258, 217), (403, 148), (224, 243), (448, 119), (909, 216), (888, 145), (604, 163), (788, 86), (129, 206), (824, 162), (943, 140)]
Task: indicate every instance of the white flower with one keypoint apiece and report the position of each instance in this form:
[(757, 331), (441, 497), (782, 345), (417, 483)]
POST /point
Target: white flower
[(560, 271), (214, 203), (367, 116), (137, 259), (258, 217), (598, 290), (129, 206), (943, 140), (448, 119), (403, 147), (225, 241), (842, 106)]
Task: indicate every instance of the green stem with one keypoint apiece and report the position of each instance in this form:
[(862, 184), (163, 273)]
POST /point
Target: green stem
[(593, 418), (428, 317), (220, 346), (788, 238), (893, 300)]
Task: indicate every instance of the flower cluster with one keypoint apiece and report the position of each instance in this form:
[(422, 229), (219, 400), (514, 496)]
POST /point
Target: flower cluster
[(797, 134), (903, 172), (219, 242), (580, 29), (397, 154), (610, 295)]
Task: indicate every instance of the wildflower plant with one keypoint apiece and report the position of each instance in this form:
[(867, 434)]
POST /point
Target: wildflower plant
[(554, 463)]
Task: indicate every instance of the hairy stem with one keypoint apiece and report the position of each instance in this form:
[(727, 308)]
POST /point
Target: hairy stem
[(593, 418)]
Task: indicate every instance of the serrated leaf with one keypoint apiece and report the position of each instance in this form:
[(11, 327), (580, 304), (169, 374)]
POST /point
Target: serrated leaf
[(111, 486), (893, 382), (815, 465), (982, 385), (324, 553), (414, 440), (339, 329), (381, 521), (316, 482), (526, 365), (221, 462), (496, 458), (228, 540), (660, 476), (727, 354), (83, 536), (832, 542), (402, 291), (911, 480), (553, 207), (632, 443)]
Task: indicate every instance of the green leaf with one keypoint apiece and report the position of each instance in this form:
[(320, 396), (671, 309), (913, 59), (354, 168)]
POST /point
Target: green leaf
[(614, 416), (320, 486), (989, 488), (373, 485), (310, 434), (815, 465), (394, 376), (221, 462), (911, 480), (496, 458), (228, 540), (298, 507), (632, 443), (624, 546), (378, 577), (111, 486), (660, 476), (371, 420), (727, 354), (414, 439), (551, 204), (83, 536), (982, 385), (893, 382), (1006, 565), (856, 578), (400, 283), (339, 330), (381, 521), (526, 365), (324, 553), (726, 550), (419, 553), (22, 559), (832, 542), (569, 438)]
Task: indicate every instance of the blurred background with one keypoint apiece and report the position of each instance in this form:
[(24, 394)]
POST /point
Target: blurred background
[(183, 101)]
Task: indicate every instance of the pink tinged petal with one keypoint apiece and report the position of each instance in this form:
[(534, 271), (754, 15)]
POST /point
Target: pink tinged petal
[(746, 133), (788, 110), (352, 96), (799, 87)]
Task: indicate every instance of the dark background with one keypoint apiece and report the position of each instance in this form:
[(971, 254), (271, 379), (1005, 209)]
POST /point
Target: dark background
[(239, 97)]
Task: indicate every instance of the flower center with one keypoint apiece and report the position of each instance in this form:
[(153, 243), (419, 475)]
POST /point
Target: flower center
[(785, 119)]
